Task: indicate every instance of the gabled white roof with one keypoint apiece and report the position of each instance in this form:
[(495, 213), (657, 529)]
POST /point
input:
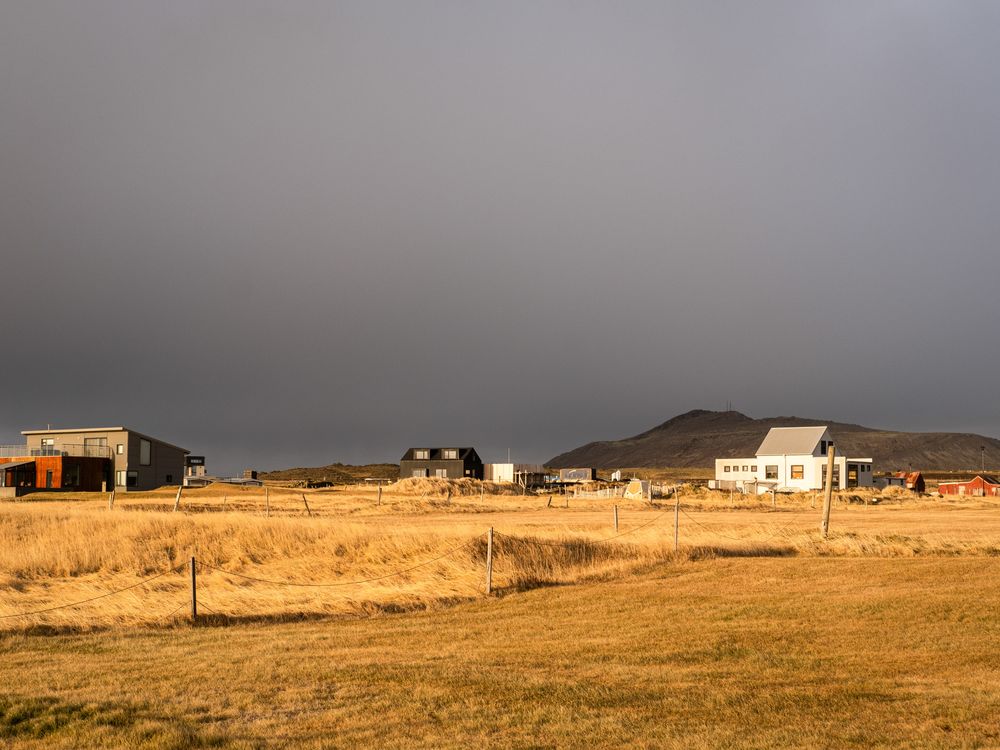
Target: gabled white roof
[(791, 441)]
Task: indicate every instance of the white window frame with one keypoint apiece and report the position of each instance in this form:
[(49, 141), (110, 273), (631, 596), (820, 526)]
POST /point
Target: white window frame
[(450, 454), (421, 454)]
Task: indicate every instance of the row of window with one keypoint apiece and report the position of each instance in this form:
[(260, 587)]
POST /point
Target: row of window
[(145, 447), (447, 454), (796, 471), (438, 473)]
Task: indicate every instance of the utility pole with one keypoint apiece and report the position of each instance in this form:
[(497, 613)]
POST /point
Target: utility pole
[(824, 527)]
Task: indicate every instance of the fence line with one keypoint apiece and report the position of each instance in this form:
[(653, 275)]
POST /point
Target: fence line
[(465, 545), (94, 598)]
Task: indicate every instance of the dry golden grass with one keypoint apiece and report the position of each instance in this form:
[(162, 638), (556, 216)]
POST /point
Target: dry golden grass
[(756, 634), (55, 550)]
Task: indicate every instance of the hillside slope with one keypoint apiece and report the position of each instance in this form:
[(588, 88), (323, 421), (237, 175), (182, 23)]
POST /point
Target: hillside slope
[(698, 437)]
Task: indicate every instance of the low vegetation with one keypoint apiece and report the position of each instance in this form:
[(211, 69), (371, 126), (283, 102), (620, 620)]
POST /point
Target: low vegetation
[(755, 633)]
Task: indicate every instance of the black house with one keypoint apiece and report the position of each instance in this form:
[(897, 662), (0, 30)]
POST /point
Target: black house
[(441, 463)]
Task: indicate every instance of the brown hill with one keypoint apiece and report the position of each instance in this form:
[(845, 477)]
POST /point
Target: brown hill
[(697, 438), (333, 473)]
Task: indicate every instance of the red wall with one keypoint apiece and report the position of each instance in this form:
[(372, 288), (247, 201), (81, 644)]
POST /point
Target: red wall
[(973, 488)]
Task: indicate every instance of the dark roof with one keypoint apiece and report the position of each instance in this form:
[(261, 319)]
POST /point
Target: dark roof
[(464, 454), (15, 464)]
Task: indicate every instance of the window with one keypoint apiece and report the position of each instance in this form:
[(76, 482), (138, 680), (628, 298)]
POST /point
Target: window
[(131, 478), (441, 473), (119, 478), (753, 468), (71, 476), (450, 454), (726, 468), (421, 454), (421, 473), (745, 467), (48, 447), (771, 472), (145, 452), (798, 471), (170, 478), (120, 449)]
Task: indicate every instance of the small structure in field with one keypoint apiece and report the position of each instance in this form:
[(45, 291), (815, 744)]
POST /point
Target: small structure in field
[(636, 489), (893, 480), (441, 463), (791, 459), (913, 480), (523, 475), (983, 485), (577, 475)]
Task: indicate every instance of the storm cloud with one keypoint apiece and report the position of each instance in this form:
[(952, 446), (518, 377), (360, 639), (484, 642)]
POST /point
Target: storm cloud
[(293, 233)]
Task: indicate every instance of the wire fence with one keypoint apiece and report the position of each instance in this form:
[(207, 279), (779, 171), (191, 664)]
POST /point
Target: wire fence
[(469, 545)]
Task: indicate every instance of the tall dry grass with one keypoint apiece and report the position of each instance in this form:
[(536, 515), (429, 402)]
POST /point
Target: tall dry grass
[(54, 551)]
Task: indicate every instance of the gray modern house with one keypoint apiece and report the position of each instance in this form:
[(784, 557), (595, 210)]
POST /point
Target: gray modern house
[(441, 463), (133, 461)]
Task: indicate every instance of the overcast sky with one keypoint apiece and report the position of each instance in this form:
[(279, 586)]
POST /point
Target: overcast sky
[(286, 234)]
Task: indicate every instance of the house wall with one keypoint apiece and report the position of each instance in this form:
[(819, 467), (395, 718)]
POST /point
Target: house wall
[(455, 469), (166, 465), (974, 488), (736, 471)]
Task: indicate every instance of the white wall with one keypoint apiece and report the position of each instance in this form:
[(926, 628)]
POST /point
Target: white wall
[(736, 469)]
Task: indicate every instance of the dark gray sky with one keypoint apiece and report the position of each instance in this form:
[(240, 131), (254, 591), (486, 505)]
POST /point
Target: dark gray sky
[(292, 233)]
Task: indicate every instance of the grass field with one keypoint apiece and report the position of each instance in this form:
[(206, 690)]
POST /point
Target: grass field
[(756, 634)]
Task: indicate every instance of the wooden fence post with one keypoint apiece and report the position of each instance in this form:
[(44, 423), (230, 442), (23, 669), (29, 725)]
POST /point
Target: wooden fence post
[(111, 500), (448, 499), (379, 495), (306, 502), (824, 526), (489, 562), (616, 518), (194, 591), (177, 500), (549, 504), (267, 503), (224, 499), (677, 521)]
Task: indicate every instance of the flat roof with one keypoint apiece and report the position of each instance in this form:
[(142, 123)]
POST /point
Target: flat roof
[(15, 464), (119, 428)]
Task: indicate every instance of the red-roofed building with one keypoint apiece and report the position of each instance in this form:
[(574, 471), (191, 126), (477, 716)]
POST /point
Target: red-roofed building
[(981, 486), (914, 480)]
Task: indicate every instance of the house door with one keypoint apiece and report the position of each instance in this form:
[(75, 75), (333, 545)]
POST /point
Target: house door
[(48, 479)]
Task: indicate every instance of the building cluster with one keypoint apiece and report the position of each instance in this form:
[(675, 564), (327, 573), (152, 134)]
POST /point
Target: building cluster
[(94, 459)]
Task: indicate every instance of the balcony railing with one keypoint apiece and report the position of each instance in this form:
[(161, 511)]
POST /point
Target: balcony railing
[(83, 451)]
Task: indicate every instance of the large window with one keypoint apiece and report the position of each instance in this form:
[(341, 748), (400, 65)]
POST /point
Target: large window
[(126, 478), (441, 473), (71, 475), (798, 471), (771, 472), (145, 452), (421, 473), (421, 454), (450, 454)]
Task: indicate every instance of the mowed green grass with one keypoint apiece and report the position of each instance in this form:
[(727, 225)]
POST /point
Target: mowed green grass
[(734, 652)]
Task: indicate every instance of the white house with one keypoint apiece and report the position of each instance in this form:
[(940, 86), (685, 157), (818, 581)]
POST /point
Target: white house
[(792, 459)]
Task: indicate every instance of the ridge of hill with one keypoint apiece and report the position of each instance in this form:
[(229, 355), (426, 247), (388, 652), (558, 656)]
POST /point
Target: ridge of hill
[(696, 438), (337, 473)]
